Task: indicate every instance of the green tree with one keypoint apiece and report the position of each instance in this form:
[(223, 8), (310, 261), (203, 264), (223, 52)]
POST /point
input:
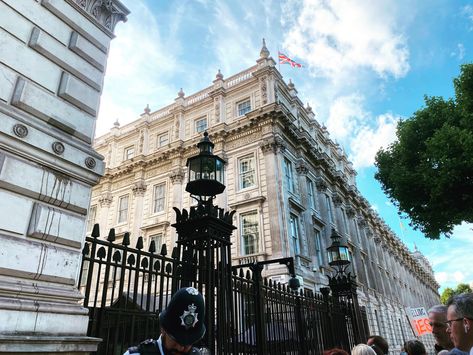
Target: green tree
[(449, 292), (428, 171)]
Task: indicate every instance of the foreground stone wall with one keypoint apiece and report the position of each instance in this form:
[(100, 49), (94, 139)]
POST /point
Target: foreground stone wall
[(53, 57)]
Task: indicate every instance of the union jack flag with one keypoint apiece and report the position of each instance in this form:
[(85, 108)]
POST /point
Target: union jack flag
[(284, 59)]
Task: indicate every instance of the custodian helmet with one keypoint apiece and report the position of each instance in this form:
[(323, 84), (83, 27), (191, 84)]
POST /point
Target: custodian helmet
[(183, 318)]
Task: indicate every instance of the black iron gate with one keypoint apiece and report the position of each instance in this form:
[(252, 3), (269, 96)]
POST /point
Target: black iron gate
[(125, 288)]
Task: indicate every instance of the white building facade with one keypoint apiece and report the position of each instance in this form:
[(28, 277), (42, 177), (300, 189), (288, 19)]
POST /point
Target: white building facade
[(288, 182)]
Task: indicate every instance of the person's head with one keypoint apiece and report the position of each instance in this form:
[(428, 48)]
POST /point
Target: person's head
[(376, 341), (460, 321), (362, 349), (335, 351), (182, 322), (437, 318), (414, 347)]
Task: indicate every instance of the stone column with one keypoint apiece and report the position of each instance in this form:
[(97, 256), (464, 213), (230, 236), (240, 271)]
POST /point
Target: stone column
[(139, 189), (177, 178), (52, 65)]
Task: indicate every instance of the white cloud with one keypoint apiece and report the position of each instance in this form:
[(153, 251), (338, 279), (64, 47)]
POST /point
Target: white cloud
[(369, 139), (468, 12), (345, 114), (458, 276), (459, 52), (337, 38), (441, 277)]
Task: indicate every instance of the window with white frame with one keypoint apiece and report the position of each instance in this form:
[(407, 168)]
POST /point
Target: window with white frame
[(243, 107), (200, 125), (294, 230), (249, 231), (311, 194), (91, 218), (289, 175), (247, 171), (159, 197), (129, 153), (162, 140), (123, 209), (328, 207), (158, 241), (318, 246)]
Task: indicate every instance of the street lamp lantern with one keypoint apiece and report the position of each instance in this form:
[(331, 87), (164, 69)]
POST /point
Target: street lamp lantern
[(206, 171), (338, 253)]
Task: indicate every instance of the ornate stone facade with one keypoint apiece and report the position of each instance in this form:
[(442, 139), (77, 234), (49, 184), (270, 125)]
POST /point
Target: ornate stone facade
[(287, 181)]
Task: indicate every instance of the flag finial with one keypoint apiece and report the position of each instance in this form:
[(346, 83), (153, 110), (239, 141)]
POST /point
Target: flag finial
[(264, 53)]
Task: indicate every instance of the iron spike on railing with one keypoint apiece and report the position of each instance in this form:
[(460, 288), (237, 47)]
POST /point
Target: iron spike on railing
[(86, 249), (111, 235), (152, 247), (126, 239), (96, 231), (164, 250), (139, 243)]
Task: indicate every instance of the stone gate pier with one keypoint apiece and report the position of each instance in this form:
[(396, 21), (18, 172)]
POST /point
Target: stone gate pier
[(53, 56)]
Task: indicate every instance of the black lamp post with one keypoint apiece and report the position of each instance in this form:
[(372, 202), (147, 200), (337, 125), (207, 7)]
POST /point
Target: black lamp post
[(206, 172), (343, 284), (203, 238)]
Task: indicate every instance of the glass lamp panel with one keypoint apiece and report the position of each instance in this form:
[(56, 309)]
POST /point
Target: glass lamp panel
[(194, 170)]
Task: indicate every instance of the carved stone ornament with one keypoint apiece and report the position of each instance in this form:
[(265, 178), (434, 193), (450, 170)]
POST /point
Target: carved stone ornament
[(302, 169), (106, 199), (350, 211), (176, 176), (274, 145), (58, 148), (90, 162), (264, 90), (139, 188), (217, 110), (106, 12), (321, 184), (20, 130)]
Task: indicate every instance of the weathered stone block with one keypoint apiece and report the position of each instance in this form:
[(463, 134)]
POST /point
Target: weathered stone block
[(62, 56), (82, 25), (56, 226), (15, 212), (8, 82), (81, 46), (49, 108), (32, 260), (45, 185), (14, 23), (79, 94), (27, 62)]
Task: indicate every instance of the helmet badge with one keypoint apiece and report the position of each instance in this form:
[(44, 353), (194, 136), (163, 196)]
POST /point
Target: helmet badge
[(189, 317)]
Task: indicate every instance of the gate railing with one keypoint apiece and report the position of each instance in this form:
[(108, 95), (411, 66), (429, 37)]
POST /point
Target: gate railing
[(126, 288)]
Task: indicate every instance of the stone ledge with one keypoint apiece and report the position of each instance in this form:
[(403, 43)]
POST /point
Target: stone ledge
[(41, 344)]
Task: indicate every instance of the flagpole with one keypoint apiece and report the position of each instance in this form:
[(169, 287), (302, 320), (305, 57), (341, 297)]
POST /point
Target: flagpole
[(279, 62)]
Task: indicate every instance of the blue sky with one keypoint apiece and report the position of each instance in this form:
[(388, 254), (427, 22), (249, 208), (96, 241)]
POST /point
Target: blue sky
[(367, 64)]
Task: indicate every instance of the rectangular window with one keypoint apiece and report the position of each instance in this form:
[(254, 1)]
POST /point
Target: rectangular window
[(91, 218), (328, 206), (158, 241), (247, 172), (163, 139), (200, 125), (318, 247), (294, 230), (249, 233), (289, 175), (158, 198), (129, 153), (344, 219), (311, 194), (243, 107), (123, 209)]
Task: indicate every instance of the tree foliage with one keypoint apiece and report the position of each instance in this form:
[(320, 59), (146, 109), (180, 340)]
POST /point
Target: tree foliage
[(428, 171), (449, 292)]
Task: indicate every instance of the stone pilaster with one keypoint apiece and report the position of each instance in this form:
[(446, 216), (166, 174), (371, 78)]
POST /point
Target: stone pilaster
[(47, 165)]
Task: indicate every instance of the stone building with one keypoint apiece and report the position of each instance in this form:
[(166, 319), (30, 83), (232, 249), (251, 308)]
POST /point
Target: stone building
[(53, 55), (288, 182)]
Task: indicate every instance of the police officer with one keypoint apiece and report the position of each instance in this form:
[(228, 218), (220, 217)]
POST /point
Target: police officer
[(182, 324)]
